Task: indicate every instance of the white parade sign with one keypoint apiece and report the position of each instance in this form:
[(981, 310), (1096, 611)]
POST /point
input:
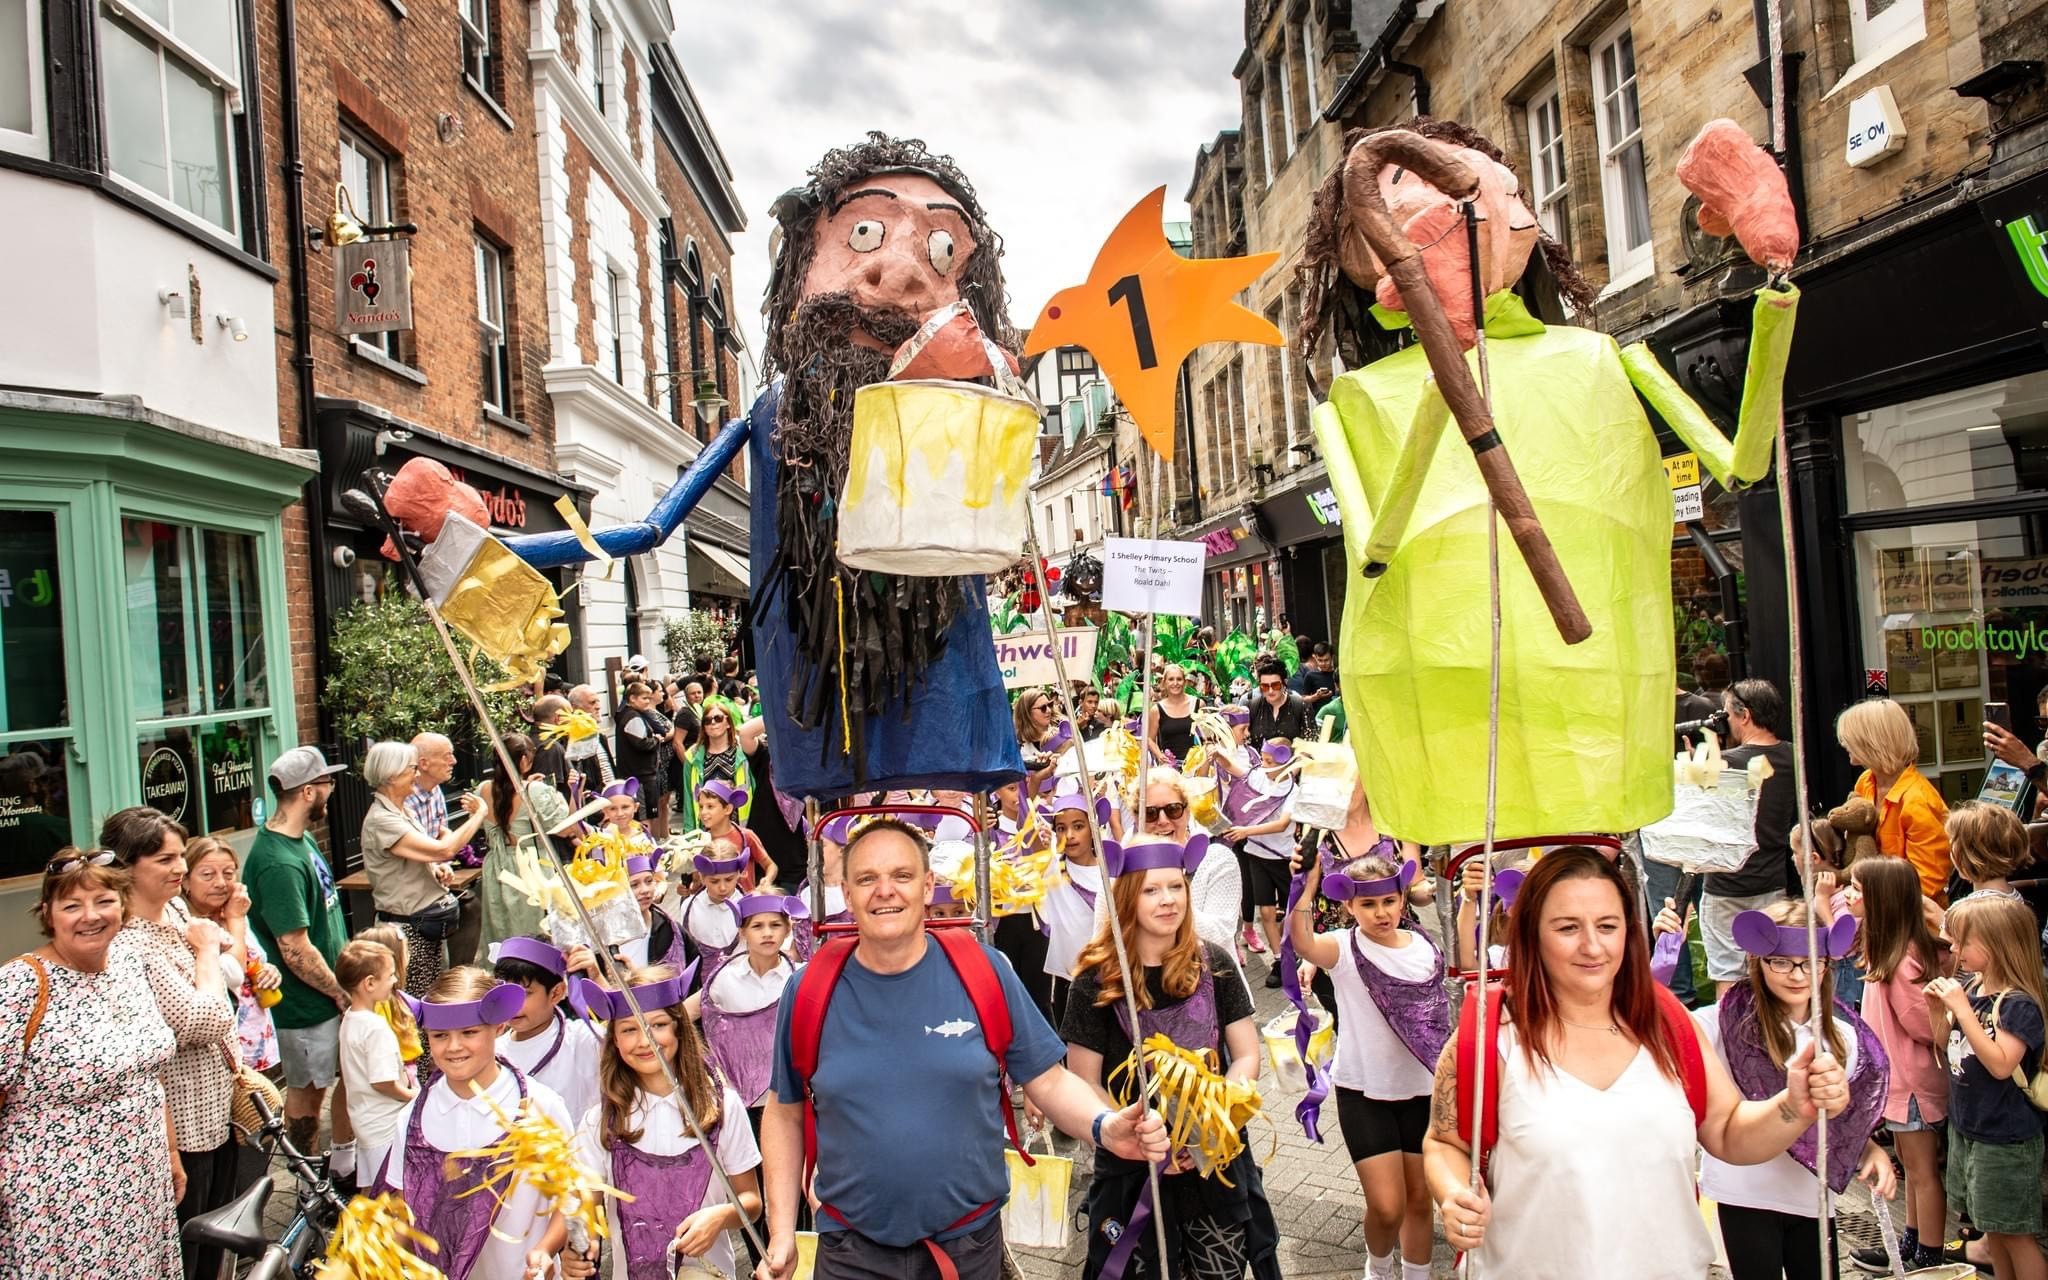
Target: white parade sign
[(1144, 575)]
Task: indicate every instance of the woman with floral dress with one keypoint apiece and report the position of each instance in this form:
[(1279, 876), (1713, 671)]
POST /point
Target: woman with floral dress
[(89, 1174)]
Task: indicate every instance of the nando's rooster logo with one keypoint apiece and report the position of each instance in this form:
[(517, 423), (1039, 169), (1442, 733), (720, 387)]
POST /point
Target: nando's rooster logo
[(364, 282)]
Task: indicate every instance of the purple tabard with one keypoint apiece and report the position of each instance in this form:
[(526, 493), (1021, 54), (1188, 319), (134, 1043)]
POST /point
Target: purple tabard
[(1758, 1077), (665, 1190), (435, 1187), (1418, 1011)]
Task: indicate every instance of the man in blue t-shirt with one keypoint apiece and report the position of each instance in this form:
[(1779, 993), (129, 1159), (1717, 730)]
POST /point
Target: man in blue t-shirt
[(910, 1134)]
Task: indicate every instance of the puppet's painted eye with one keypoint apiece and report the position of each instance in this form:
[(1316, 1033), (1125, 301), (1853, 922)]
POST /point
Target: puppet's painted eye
[(941, 248), (866, 236)]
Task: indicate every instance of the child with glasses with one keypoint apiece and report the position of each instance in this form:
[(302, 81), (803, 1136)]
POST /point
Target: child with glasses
[(1760, 1024)]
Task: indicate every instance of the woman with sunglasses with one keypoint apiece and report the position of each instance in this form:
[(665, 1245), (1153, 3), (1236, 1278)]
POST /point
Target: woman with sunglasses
[(1216, 888), (87, 1151), (726, 743), (1040, 743)]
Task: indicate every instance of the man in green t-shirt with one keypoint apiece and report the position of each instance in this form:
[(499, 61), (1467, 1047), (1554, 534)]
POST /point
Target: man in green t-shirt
[(296, 912)]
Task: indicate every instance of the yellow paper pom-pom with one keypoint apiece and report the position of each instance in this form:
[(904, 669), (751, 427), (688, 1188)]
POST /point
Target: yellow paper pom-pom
[(376, 1240), (1204, 1110), (575, 726), (537, 1151)]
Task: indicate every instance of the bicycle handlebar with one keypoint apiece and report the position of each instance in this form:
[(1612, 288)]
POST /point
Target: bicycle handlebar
[(273, 1137)]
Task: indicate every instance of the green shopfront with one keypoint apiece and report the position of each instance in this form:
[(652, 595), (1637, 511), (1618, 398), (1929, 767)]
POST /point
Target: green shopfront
[(145, 653)]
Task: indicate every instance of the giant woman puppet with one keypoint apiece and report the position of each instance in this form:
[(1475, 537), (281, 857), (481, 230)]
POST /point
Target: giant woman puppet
[(867, 679)]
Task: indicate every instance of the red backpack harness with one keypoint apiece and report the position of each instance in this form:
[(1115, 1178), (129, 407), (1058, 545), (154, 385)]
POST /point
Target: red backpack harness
[(1678, 1025), (991, 1009)]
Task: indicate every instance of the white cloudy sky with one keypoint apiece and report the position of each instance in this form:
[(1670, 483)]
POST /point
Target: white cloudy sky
[(1061, 112)]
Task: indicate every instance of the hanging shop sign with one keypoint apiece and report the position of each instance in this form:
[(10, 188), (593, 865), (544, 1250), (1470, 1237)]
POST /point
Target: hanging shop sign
[(373, 286), (1301, 515), (506, 504)]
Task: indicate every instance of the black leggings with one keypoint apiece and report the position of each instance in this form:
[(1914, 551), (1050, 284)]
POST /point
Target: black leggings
[(1018, 938), (1764, 1244), (209, 1184)]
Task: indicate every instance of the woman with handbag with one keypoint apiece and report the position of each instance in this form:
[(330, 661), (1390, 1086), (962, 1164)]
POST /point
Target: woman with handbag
[(89, 1179), (517, 810), (404, 862), (180, 960)]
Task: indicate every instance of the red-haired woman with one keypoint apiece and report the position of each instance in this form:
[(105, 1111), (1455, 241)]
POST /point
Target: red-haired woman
[(1594, 1162)]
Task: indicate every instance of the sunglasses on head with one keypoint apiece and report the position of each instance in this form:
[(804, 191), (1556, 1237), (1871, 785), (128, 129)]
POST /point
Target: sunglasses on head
[(1171, 812), (66, 862)]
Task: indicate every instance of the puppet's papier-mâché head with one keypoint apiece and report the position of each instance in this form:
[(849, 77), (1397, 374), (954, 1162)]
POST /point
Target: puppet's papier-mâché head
[(1344, 276)]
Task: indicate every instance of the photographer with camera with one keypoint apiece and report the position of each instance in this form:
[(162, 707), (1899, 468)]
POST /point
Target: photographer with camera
[(1752, 716)]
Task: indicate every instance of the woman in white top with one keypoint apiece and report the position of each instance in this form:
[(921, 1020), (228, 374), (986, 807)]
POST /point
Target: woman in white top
[(1592, 1173), (1217, 888)]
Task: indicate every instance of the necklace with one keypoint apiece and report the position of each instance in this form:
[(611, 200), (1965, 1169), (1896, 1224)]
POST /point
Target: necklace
[(1611, 1029)]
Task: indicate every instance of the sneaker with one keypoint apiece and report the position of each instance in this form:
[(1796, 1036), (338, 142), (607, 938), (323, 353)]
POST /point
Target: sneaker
[(1273, 978), (1874, 1260), (1253, 942)]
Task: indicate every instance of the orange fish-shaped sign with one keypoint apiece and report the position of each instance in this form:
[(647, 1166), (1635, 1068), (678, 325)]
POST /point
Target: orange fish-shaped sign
[(1144, 308)]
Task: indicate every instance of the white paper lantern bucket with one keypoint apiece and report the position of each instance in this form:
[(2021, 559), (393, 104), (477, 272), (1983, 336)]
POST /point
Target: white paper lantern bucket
[(937, 479)]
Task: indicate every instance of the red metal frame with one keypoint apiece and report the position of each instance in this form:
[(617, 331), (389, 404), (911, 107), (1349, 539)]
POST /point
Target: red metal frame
[(1456, 865), (826, 928)]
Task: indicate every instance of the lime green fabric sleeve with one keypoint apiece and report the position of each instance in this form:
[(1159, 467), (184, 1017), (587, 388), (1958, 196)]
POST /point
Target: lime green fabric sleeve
[(1410, 469), (1342, 470), (1763, 395)]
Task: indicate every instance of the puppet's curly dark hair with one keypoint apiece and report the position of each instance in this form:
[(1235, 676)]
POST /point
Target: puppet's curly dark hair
[(1331, 302), (981, 279)]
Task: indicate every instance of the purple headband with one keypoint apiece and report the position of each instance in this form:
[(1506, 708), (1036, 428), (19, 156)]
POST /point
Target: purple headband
[(1075, 802), (1506, 884), (1237, 716), (499, 1005), (759, 904), (546, 955), (1277, 752), (594, 1001), (639, 863), (709, 866), (1759, 935), (622, 787), (734, 797), (942, 894), (1338, 887), (1118, 860), (836, 829)]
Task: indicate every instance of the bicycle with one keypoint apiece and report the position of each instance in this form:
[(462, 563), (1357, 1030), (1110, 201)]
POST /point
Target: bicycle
[(236, 1228)]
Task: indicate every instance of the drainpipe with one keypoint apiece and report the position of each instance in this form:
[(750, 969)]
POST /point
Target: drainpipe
[(294, 168), (1415, 74)]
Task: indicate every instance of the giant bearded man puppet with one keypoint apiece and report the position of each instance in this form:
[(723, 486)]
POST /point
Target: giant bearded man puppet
[(867, 679)]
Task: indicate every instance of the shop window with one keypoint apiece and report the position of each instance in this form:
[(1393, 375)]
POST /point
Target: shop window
[(1624, 179), (22, 128), (1546, 163), (1980, 443), (1956, 613), (490, 319), (39, 794), (172, 74)]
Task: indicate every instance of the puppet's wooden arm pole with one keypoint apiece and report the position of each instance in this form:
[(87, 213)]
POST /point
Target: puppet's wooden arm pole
[(1444, 170)]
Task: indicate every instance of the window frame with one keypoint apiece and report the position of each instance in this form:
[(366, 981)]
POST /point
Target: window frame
[(1552, 205), (35, 141), (1871, 40), (1308, 63), (1276, 69), (169, 46), (479, 46), (600, 44), (493, 333), (1625, 265), (615, 284)]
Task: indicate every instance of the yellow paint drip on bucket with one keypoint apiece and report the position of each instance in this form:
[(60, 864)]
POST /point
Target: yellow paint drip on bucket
[(936, 479)]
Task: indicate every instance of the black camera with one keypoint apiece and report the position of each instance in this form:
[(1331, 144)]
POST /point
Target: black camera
[(1718, 722)]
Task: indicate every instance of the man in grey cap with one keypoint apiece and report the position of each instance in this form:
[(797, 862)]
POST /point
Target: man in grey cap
[(296, 912)]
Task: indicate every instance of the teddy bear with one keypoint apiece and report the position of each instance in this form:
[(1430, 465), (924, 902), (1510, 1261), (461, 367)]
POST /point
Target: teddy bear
[(1855, 821)]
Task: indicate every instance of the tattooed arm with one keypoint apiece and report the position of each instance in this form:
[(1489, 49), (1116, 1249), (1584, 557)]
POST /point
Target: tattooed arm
[(1447, 1159), (308, 965)]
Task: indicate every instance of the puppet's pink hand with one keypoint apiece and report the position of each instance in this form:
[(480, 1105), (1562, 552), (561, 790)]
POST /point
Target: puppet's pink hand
[(1741, 191)]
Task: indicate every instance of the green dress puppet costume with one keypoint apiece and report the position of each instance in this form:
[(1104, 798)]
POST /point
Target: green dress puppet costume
[(1585, 728)]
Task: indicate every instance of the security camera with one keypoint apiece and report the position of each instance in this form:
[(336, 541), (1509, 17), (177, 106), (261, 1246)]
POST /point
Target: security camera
[(344, 557)]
